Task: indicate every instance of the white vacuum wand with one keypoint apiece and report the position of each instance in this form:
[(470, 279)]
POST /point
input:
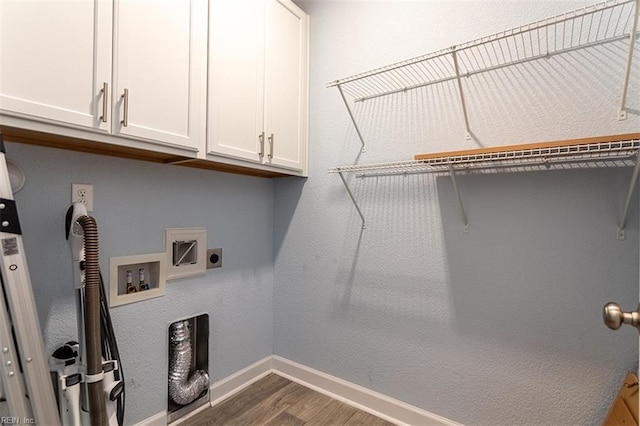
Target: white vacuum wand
[(75, 235), (89, 389)]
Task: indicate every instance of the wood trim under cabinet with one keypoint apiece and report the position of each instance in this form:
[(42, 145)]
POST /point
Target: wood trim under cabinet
[(31, 137)]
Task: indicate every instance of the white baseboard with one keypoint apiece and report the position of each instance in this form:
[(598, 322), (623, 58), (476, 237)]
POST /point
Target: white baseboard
[(222, 389), (360, 397)]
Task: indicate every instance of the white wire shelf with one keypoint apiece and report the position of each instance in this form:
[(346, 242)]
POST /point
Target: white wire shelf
[(585, 27), (601, 23), (601, 152), (591, 155)]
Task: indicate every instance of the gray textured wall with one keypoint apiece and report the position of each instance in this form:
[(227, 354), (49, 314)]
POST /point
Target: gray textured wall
[(498, 326), (134, 203)]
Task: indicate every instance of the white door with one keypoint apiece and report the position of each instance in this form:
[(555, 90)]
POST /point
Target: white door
[(236, 61), (55, 57), (285, 84), (160, 63)]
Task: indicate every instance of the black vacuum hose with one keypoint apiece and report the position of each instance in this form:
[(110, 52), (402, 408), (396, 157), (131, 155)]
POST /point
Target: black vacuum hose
[(97, 407)]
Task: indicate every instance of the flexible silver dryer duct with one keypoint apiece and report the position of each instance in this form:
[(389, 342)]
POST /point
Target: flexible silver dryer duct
[(97, 407), (182, 388)]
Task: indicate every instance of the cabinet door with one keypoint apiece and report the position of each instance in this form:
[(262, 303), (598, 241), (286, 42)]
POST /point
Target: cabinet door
[(160, 62), (286, 84), (54, 58), (236, 61)]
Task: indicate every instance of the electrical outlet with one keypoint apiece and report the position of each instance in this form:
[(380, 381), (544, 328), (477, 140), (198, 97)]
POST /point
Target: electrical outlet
[(214, 258), (82, 193)]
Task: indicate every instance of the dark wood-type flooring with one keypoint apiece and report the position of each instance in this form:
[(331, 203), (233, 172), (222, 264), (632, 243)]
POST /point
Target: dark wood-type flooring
[(276, 401)]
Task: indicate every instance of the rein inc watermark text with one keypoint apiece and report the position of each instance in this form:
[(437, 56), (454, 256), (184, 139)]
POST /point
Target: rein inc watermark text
[(17, 421)]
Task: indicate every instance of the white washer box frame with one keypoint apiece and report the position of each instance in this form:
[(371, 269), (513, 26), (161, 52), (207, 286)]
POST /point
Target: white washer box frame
[(155, 268), (186, 234)]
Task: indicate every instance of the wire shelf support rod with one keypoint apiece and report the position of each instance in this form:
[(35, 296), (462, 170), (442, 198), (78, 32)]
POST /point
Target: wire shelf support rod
[(465, 221), (622, 114), (353, 199), (632, 185), (353, 120), (467, 133)]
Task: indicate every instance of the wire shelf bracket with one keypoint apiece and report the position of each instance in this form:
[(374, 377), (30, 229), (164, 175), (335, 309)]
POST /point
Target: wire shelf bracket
[(353, 199), (353, 120), (632, 185), (467, 133), (465, 221), (622, 114)]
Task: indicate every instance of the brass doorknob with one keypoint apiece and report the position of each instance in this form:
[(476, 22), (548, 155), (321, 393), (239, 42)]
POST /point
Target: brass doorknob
[(614, 316)]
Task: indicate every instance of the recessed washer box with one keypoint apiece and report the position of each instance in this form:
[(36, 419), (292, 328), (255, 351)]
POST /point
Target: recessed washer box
[(186, 252), (122, 266)]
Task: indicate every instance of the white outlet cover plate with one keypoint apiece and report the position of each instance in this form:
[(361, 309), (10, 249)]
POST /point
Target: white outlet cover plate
[(186, 234), (76, 188)]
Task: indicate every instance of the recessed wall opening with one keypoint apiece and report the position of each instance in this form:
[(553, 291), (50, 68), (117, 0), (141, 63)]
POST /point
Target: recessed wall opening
[(188, 352)]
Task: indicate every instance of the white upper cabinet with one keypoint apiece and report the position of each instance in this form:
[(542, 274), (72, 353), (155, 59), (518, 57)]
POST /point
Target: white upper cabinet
[(160, 63), (285, 93), (56, 66), (222, 81), (258, 82), (236, 63), (54, 57)]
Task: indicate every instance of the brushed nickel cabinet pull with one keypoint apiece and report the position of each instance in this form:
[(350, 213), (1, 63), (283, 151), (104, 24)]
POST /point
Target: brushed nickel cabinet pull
[(105, 97), (125, 98), (261, 139), (271, 140)]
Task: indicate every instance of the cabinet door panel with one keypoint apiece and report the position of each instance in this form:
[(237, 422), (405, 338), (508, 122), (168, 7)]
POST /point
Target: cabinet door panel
[(285, 82), (47, 68), (236, 53), (160, 49)]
